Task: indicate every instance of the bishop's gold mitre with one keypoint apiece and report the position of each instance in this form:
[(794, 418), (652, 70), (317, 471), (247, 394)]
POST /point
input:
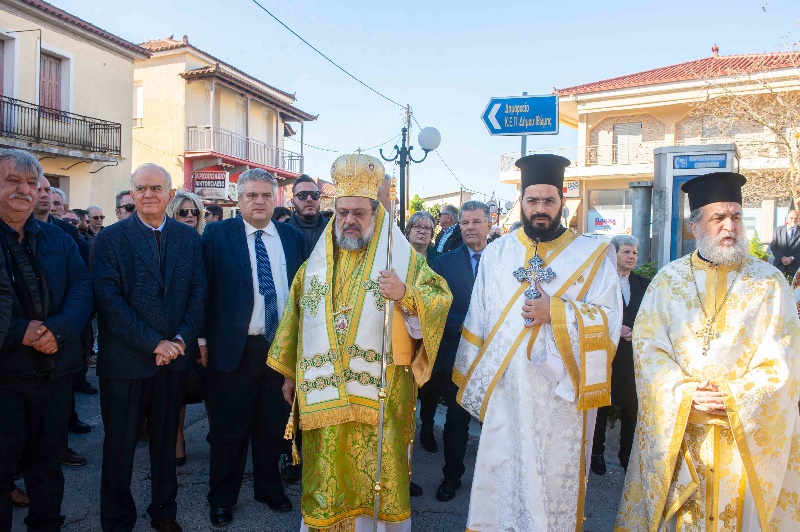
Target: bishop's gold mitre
[(356, 174)]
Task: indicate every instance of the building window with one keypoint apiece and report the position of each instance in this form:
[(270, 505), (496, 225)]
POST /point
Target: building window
[(782, 208), (627, 142), (610, 211), (50, 81), (138, 104)]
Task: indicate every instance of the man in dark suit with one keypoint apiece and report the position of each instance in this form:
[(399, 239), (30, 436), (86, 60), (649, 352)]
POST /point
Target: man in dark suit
[(459, 268), (449, 238), (50, 304), (623, 382), (250, 263), (785, 246), (150, 291)]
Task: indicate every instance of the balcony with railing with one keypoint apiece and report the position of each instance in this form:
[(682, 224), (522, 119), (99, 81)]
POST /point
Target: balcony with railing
[(224, 142), (630, 155), (43, 125)]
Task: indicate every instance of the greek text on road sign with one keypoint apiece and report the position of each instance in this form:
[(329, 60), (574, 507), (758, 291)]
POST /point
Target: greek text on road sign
[(522, 115)]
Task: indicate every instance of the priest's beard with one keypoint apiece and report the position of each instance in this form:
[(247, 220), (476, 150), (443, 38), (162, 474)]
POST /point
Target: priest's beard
[(711, 248), (540, 233), (350, 243)]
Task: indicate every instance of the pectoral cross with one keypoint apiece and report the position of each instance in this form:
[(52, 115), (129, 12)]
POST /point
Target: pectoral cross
[(534, 274), (706, 334)]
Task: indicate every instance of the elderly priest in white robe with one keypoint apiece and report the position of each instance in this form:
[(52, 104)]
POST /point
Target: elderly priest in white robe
[(716, 358), (534, 361)]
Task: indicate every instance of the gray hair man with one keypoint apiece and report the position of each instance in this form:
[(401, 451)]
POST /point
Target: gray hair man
[(51, 302), (60, 205), (96, 217), (249, 263), (459, 268), (150, 290), (449, 238), (124, 206)]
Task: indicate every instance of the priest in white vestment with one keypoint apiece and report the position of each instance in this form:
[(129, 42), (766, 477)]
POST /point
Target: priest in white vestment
[(716, 346), (534, 361)]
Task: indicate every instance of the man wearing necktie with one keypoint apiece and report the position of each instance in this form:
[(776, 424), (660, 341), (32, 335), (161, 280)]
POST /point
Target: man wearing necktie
[(785, 246), (459, 268), (150, 294), (250, 263)]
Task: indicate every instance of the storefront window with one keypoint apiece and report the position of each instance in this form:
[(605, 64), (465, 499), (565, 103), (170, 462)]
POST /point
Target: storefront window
[(782, 208), (610, 212), (753, 219)]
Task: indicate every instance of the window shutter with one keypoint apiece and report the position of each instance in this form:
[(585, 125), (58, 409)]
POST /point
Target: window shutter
[(50, 78)]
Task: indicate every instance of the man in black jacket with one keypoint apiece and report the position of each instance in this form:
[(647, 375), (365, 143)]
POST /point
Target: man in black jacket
[(150, 290), (623, 382), (459, 268), (52, 300), (306, 215), (449, 238), (785, 246)]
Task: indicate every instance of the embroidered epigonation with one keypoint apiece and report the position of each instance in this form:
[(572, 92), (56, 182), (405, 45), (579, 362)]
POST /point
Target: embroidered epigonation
[(318, 360), (364, 378), (314, 295), (320, 383), (369, 355)]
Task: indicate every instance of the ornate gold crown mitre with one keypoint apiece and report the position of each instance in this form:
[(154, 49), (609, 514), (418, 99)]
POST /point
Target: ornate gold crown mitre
[(356, 174)]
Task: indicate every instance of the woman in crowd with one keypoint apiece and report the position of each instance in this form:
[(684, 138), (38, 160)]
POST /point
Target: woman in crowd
[(186, 207), (281, 214), (419, 233)]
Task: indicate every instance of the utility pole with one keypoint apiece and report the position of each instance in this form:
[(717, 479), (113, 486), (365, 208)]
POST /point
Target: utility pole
[(406, 191)]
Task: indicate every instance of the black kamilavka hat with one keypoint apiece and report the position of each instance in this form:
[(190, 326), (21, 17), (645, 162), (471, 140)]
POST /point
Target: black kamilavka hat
[(542, 169), (714, 188)]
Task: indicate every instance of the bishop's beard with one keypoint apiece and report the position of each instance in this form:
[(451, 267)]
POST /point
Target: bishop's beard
[(351, 243), (711, 248), (539, 233)]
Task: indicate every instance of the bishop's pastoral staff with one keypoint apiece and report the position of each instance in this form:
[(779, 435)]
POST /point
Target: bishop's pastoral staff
[(534, 361), (330, 343), (716, 348)]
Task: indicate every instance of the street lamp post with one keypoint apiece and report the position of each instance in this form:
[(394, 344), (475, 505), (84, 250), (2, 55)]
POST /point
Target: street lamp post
[(429, 139)]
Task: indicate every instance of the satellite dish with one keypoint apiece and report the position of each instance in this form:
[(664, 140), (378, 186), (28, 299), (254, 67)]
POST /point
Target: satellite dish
[(566, 213), (509, 205)]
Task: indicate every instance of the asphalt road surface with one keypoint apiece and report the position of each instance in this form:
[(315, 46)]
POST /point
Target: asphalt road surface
[(82, 492)]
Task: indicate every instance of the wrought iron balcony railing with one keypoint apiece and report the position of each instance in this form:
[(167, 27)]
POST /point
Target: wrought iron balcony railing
[(214, 139), (28, 121)]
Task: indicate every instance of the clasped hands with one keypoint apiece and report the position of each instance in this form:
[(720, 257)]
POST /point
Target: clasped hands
[(708, 399), (167, 351), (537, 310), (391, 286), (787, 260), (38, 336)]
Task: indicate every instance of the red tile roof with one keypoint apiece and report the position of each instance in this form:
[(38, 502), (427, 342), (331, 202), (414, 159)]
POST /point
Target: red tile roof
[(72, 19), (217, 72), (326, 188), (709, 67), (161, 45)]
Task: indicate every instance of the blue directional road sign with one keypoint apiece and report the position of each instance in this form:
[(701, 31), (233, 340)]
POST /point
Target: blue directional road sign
[(522, 115)]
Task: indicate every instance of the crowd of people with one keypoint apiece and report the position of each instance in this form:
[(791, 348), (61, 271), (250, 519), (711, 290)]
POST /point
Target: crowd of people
[(310, 338)]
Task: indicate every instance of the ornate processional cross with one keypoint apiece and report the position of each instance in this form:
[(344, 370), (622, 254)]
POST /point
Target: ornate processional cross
[(534, 274)]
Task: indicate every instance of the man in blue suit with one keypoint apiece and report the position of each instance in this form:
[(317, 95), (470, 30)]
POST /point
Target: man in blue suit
[(459, 268), (150, 291), (250, 263)]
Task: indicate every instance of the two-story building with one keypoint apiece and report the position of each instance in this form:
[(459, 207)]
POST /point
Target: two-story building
[(620, 121), (66, 96), (206, 121)]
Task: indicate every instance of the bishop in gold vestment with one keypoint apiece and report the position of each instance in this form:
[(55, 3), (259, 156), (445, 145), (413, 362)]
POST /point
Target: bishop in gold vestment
[(329, 346), (716, 357)]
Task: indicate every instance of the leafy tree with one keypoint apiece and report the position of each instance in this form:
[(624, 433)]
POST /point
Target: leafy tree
[(416, 204), (757, 248), (647, 270), (434, 211)]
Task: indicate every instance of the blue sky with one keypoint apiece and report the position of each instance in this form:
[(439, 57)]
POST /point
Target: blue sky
[(445, 59)]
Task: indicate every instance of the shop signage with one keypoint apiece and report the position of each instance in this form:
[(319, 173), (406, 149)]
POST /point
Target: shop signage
[(211, 185), (706, 160)]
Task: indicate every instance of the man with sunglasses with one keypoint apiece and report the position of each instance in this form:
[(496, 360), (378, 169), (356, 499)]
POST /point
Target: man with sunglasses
[(306, 215), (96, 218), (449, 238), (125, 206)]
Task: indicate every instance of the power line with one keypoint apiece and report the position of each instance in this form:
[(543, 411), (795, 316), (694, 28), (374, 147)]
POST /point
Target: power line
[(331, 61), (312, 146)]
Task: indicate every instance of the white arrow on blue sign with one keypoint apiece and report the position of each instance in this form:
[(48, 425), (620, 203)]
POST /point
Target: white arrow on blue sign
[(522, 115)]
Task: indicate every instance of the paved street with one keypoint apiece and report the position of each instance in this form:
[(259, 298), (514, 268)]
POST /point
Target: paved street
[(81, 499)]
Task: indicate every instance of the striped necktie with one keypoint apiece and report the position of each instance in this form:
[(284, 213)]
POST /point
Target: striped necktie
[(477, 258), (266, 287)]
